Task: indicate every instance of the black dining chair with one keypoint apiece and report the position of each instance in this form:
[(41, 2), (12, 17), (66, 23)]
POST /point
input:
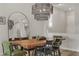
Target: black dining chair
[(42, 38), (24, 38), (56, 45), (39, 51), (15, 39), (10, 39), (48, 49), (34, 37)]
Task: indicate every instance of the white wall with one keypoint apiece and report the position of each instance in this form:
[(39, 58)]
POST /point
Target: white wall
[(35, 26), (72, 41), (6, 9), (71, 22), (3, 35), (70, 29), (59, 22), (38, 27)]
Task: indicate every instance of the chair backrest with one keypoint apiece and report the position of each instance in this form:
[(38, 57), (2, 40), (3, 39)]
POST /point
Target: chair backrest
[(6, 48), (57, 37), (10, 39), (16, 38), (24, 38), (42, 38), (57, 41), (34, 37)]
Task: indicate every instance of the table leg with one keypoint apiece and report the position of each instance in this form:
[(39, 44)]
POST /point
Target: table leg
[(28, 52)]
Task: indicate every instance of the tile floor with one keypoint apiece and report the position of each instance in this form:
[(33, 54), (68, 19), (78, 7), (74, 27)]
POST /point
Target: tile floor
[(69, 53), (66, 53)]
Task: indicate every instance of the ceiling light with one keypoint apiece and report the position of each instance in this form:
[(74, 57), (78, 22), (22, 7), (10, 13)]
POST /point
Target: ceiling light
[(70, 8), (23, 21), (40, 10), (59, 4), (44, 9)]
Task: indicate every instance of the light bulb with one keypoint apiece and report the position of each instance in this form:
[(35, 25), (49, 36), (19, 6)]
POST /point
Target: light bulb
[(40, 10), (50, 21), (69, 8), (59, 4), (44, 9)]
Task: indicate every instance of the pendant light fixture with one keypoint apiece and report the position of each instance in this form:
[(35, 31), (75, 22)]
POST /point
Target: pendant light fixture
[(41, 11)]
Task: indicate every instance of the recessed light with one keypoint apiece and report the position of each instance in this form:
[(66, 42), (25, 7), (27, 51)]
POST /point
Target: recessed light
[(70, 8), (59, 4)]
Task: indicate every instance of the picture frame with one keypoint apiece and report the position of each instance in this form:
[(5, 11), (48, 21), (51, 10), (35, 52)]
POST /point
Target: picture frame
[(2, 20)]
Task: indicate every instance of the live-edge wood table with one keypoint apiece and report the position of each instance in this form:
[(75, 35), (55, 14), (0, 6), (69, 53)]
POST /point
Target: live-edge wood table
[(29, 44)]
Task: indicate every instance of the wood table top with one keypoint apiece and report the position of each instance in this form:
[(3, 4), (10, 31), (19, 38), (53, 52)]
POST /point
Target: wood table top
[(31, 43)]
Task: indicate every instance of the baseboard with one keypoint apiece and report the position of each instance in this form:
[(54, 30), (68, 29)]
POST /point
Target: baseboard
[(70, 49)]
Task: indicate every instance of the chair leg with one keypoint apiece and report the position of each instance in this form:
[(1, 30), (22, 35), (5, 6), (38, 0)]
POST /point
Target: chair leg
[(28, 52), (54, 53), (59, 53), (35, 52)]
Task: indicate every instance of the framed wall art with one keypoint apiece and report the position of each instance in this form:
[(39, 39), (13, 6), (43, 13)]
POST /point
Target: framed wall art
[(2, 20)]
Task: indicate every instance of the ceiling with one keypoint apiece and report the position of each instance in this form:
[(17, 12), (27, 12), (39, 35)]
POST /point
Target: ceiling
[(66, 6)]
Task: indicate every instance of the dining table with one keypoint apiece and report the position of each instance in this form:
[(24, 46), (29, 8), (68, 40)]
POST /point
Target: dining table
[(29, 44)]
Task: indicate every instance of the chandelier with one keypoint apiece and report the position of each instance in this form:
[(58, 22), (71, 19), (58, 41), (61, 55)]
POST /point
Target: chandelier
[(41, 11)]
